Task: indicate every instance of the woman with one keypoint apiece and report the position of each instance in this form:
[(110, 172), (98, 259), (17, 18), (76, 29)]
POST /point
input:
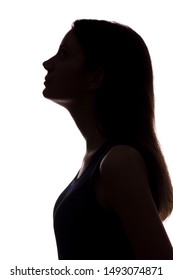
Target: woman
[(115, 205)]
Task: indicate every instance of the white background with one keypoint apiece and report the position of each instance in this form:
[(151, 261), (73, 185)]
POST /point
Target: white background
[(41, 148)]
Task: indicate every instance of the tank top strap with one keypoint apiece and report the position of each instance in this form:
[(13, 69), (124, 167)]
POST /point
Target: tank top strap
[(95, 161), (102, 151)]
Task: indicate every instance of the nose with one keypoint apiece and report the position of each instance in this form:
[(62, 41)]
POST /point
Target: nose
[(48, 65)]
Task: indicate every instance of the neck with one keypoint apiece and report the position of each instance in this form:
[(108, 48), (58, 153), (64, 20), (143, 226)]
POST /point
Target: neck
[(84, 118)]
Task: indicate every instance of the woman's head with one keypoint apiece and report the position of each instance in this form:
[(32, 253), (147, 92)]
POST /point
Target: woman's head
[(67, 79), (124, 104)]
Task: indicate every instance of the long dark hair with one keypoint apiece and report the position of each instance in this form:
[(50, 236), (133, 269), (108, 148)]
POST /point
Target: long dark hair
[(124, 104)]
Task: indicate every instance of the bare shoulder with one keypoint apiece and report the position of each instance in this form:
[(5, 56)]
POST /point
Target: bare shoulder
[(121, 153), (125, 188), (123, 177), (123, 159)]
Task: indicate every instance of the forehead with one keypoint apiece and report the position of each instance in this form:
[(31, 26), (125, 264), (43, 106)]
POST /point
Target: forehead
[(71, 43)]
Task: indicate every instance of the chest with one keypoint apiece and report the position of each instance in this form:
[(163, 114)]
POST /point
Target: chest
[(97, 185)]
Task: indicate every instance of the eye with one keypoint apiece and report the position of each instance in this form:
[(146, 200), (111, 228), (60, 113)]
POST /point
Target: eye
[(61, 52)]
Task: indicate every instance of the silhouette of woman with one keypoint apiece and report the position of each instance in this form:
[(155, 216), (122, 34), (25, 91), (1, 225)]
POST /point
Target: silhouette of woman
[(114, 207)]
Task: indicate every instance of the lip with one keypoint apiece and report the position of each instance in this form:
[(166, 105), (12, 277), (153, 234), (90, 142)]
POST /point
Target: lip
[(46, 82), (47, 79)]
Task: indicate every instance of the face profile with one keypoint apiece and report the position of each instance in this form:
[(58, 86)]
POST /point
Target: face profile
[(66, 80)]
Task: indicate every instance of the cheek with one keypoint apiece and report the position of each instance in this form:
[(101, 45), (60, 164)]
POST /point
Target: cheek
[(69, 79)]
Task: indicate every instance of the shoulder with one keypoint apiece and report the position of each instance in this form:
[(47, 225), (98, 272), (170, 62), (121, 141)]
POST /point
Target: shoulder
[(121, 152), (126, 190), (123, 159), (124, 177)]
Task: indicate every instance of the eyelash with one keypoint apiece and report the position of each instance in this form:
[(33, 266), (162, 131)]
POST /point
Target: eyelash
[(60, 51)]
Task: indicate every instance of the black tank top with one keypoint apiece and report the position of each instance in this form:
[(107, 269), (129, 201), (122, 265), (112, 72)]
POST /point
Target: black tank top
[(84, 230)]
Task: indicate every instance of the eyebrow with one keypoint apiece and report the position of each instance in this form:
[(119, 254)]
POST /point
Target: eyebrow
[(64, 45)]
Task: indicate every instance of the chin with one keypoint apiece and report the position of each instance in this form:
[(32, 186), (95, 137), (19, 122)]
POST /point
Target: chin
[(47, 94), (65, 102)]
